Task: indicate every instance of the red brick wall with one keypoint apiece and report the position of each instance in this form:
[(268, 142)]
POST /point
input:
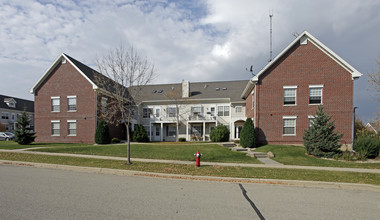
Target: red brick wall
[(65, 81), (301, 66)]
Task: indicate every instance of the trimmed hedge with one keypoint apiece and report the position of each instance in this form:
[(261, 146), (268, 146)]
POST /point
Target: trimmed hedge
[(139, 134), (102, 134), (248, 135)]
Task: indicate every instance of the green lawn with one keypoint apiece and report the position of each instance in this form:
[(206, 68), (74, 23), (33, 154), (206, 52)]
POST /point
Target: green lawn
[(12, 145), (241, 172), (296, 155), (165, 151)]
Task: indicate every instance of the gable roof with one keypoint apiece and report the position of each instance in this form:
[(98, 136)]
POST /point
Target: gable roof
[(304, 37), (229, 90), (21, 104)]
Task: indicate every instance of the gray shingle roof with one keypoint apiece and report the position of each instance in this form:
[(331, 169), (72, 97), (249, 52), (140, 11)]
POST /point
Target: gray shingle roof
[(198, 90), (21, 104)]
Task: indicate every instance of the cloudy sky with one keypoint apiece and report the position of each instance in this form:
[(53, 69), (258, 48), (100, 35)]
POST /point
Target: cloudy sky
[(197, 40)]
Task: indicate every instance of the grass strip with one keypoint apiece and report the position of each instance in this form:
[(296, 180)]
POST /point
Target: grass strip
[(296, 155), (221, 171), (210, 152)]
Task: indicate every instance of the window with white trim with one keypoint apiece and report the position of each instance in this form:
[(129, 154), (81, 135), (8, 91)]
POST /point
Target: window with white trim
[(104, 104), (147, 112), (172, 131), (212, 111), (172, 112), (311, 120), (289, 125), (197, 110), (4, 115), (55, 128), (238, 109), (253, 99), (290, 94), (158, 130), (71, 103), (158, 112), (223, 110), (72, 127), (55, 104), (315, 94)]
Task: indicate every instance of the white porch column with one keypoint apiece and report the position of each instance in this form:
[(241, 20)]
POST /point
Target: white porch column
[(150, 131), (162, 131), (204, 131), (232, 132), (187, 131)]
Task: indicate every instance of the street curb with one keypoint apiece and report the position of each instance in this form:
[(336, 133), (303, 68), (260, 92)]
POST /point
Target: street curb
[(302, 183)]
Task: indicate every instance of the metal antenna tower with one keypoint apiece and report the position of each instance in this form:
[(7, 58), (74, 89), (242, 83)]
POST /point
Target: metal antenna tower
[(270, 18)]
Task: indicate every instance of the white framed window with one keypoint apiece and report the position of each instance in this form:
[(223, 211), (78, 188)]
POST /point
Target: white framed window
[(158, 130), (197, 110), (290, 95), (311, 120), (172, 131), (253, 99), (5, 115), (72, 103), (147, 112), (289, 125), (104, 104), (315, 94), (238, 109), (158, 112), (212, 111), (55, 104), (72, 127), (13, 116), (172, 112), (223, 110), (55, 127)]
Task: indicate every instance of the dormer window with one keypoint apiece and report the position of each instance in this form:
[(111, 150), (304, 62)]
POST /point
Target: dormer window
[(10, 102)]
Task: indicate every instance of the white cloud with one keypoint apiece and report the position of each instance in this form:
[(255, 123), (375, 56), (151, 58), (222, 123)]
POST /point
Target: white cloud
[(194, 40)]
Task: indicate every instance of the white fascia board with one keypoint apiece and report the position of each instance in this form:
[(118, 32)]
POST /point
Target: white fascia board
[(249, 87), (290, 87), (315, 86), (289, 117), (71, 121), (46, 74), (354, 73), (51, 68)]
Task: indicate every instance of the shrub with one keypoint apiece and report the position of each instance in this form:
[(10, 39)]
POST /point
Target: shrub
[(115, 140), (367, 146), (102, 134), (321, 140), (220, 134), (2, 127), (182, 139), (24, 134), (139, 134), (237, 141), (248, 135)]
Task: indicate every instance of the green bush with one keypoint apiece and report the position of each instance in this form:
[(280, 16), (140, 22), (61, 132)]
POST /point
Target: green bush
[(115, 140), (102, 134), (182, 139), (139, 134), (367, 146), (24, 134), (321, 140), (220, 134), (248, 135), (237, 141)]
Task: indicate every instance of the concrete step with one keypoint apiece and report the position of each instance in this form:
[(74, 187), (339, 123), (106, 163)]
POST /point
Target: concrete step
[(239, 149), (259, 154), (229, 145)]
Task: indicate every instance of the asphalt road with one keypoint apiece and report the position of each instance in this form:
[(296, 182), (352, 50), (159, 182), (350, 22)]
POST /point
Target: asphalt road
[(39, 193)]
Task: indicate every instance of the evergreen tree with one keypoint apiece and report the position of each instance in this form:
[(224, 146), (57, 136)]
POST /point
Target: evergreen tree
[(321, 140), (102, 134), (140, 134), (248, 135), (24, 134), (220, 134)]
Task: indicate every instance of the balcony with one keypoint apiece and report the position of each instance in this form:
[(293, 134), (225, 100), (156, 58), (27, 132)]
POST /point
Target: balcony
[(198, 117)]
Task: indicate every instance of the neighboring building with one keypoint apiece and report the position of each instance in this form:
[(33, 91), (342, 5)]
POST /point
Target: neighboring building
[(283, 97), (373, 127), (67, 102), (11, 109), (200, 107)]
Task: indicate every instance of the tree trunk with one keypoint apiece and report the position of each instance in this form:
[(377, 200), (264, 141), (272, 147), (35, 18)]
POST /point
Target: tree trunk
[(128, 147)]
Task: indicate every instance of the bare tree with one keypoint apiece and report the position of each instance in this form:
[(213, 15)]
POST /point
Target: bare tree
[(125, 71), (175, 95), (374, 80)]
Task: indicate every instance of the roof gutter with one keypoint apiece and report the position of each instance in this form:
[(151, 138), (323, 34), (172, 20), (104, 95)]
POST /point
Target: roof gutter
[(250, 85)]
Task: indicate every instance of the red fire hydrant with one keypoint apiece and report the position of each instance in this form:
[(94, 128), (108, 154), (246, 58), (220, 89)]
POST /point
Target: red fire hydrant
[(198, 159)]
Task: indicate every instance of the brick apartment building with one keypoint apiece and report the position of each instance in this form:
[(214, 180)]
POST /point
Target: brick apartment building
[(282, 99)]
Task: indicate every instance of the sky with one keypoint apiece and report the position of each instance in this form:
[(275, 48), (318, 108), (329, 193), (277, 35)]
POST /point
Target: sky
[(195, 40)]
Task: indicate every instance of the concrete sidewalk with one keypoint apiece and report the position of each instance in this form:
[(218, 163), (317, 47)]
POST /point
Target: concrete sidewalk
[(278, 166)]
